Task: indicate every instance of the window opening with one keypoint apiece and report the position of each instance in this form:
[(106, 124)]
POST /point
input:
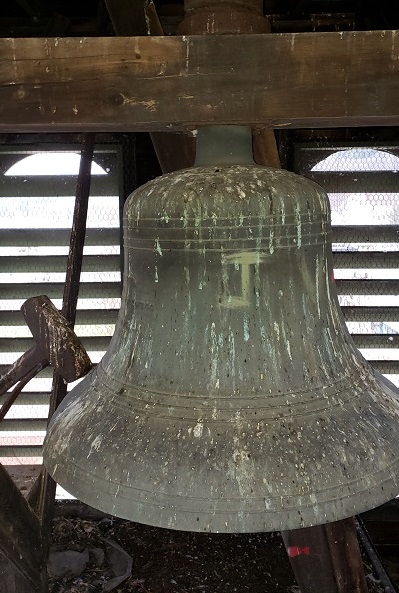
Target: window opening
[(36, 207), (362, 185), (51, 163)]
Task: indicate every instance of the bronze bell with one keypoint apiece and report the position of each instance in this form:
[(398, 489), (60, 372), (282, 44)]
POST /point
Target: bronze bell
[(232, 397)]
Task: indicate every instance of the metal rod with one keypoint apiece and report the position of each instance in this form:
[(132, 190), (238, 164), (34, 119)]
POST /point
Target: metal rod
[(70, 298), (383, 577), (17, 390)]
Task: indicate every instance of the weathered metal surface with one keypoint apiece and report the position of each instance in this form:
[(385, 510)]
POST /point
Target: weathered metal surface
[(232, 397)]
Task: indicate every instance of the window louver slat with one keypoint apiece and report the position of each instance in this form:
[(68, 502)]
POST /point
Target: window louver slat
[(376, 314), (386, 367), (30, 398), (49, 186), (20, 453), (55, 237), (37, 424), (54, 290), (366, 259), (368, 287), (57, 264), (46, 373), (83, 317), (356, 182), (376, 340), (366, 233)]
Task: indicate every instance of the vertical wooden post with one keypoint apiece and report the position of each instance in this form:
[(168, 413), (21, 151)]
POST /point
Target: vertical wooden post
[(309, 555), (224, 17), (345, 556), (22, 555), (326, 558)]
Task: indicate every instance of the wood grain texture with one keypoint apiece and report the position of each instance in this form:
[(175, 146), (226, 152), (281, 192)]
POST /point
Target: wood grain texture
[(21, 550), (171, 83)]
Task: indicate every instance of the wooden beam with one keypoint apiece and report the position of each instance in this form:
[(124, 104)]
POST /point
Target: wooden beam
[(20, 539), (171, 83)]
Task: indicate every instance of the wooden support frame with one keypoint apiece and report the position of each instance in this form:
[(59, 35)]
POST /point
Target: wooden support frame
[(298, 80)]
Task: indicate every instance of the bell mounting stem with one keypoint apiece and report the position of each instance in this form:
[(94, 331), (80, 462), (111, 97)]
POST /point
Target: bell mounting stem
[(224, 145)]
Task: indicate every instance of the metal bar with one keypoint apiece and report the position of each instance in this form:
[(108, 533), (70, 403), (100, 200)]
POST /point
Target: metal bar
[(46, 373), (70, 299), (374, 558), (30, 398)]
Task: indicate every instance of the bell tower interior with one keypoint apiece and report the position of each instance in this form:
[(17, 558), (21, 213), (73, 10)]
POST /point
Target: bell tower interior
[(243, 328)]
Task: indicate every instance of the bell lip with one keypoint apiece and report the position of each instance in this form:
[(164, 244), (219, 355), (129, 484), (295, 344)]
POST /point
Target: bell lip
[(242, 521), (341, 500)]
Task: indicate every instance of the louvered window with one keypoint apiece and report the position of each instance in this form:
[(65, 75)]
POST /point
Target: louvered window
[(363, 186), (37, 199)]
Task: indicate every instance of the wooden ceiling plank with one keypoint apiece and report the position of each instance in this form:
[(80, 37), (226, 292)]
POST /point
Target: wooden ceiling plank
[(304, 80)]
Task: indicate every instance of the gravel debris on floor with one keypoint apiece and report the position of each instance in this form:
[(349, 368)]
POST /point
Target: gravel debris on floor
[(168, 561)]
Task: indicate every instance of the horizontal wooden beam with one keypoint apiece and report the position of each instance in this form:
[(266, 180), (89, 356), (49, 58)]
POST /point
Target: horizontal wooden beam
[(294, 80)]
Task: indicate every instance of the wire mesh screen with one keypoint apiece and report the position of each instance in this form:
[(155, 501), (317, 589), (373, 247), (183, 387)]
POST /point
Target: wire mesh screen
[(362, 185), (36, 210)]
